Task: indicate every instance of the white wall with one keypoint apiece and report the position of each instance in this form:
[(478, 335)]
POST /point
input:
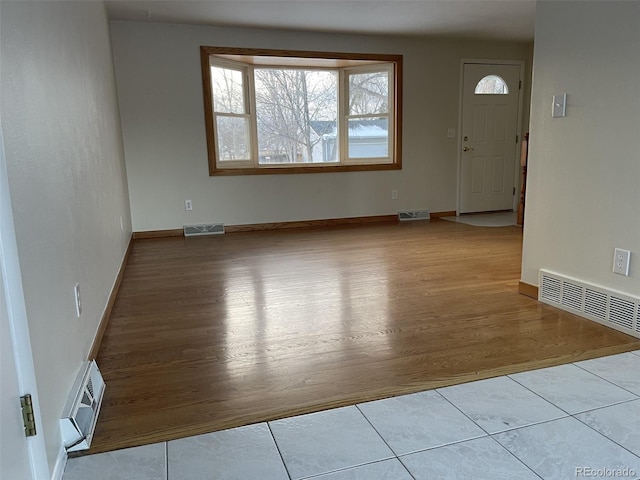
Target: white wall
[(65, 164), (583, 198), (160, 93)]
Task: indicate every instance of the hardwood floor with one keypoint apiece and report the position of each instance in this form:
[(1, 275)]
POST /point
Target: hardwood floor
[(209, 333)]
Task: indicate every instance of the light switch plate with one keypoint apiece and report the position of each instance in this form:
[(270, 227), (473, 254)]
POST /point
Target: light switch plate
[(76, 295), (559, 105)]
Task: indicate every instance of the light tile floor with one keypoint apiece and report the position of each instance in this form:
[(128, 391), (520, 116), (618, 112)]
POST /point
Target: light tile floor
[(580, 420)]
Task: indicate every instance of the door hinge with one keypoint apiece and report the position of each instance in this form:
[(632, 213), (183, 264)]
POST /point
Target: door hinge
[(514, 191), (517, 138), (27, 416), (520, 85)]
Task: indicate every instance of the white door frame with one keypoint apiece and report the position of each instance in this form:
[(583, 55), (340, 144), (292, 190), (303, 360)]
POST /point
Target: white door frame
[(517, 147), (12, 283)]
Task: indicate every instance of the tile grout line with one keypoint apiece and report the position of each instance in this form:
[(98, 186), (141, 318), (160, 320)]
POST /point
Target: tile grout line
[(397, 457), (602, 434), (275, 442), (311, 477), (375, 430), (556, 419), (515, 456), (514, 428), (605, 379), (406, 468), (631, 400), (568, 414), (450, 402), (581, 412), (487, 434), (166, 457), (491, 435)]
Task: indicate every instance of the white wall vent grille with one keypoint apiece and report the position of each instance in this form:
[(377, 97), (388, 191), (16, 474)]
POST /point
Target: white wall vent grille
[(572, 295), (551, 289), (610, 308), (621, 312), (208, 229), (595, 303), (81, 411)]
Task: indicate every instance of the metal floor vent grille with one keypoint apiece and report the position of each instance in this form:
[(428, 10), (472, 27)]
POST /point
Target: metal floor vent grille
[(408, 215), (209, 229), (81, 411), (608, 307)]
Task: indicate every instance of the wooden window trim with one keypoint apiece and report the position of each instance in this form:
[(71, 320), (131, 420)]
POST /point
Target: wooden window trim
[(303, 58)]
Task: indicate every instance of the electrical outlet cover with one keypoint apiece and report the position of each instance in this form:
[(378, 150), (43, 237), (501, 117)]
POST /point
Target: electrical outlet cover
[(621, 260)]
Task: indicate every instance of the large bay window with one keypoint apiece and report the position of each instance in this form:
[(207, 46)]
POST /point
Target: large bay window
[(272, 111)]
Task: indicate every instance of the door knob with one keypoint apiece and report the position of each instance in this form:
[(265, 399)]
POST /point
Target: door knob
[(467, 149)]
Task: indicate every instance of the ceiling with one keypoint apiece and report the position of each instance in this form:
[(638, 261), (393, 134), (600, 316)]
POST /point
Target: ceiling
[(494, 19)]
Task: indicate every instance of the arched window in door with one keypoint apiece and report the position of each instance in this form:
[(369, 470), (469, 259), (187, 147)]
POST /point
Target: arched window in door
[(491, 85)]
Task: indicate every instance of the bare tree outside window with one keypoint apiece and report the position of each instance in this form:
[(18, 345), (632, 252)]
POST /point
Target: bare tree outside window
[(232, 123), (368, 114), (368, 93), (228, 90), (292, 105)]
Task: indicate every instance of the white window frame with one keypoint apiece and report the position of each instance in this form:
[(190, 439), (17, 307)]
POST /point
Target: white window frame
[(346, 116), (248, 107)]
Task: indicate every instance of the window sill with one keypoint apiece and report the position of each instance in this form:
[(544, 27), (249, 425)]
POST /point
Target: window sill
[(310, 169)]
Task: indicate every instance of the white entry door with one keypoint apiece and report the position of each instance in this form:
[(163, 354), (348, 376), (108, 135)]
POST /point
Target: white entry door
[(490, 99)]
